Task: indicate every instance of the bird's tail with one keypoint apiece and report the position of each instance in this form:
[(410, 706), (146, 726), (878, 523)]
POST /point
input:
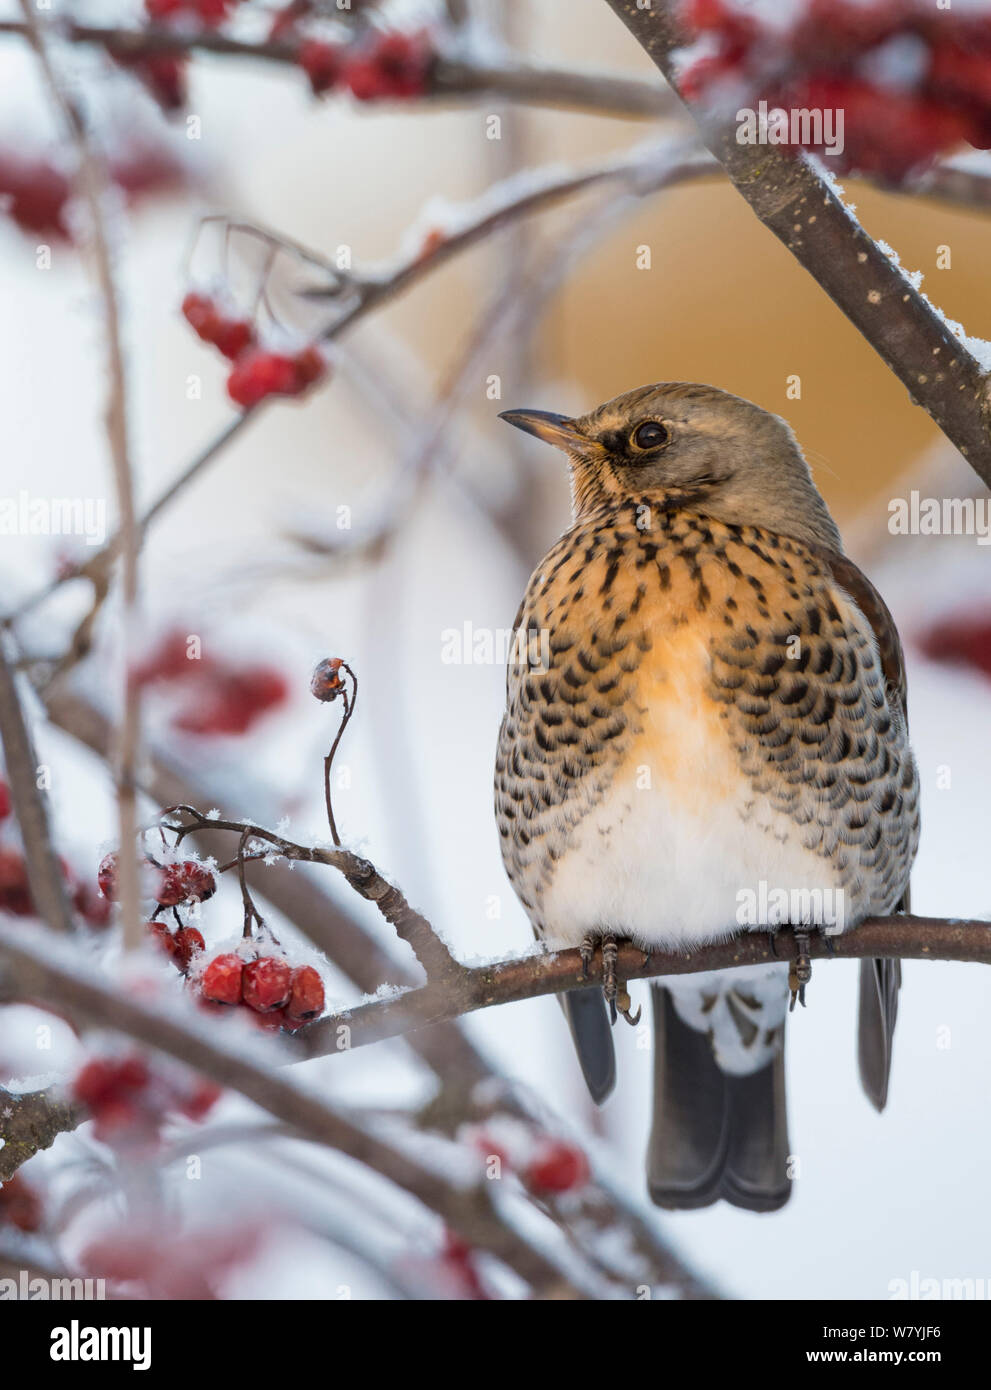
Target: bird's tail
[(714, 1135)]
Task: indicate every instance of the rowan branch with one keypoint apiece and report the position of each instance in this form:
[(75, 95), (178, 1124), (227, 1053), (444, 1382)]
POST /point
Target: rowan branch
[(361, 874), (69, 980), (31, 1121), (801, 209), (531, 976), (450, 78)]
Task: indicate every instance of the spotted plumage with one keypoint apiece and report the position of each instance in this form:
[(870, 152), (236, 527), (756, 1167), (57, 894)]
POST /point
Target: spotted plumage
[(720, 705)]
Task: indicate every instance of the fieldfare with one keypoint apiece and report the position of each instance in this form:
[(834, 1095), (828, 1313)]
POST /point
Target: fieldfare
[(717, 719)]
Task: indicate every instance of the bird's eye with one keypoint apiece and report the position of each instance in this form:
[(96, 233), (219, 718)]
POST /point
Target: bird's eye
[(650, 435)]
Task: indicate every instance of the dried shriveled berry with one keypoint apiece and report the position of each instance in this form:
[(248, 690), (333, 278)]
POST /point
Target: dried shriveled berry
[(327, 682)]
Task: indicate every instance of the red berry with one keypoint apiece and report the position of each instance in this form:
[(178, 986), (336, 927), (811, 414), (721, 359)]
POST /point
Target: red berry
[(188, 943), (184, 883), (267, 984), (233, 701), (310, 365), (108, 1081), (557, 1167), (35, 195), (221, 981), (160, 931), (4, 801), (198, 1105), (164, 75), (306, 998), (322, 62), (92, 906), (106, 877), (201, 314), (233, 337), (15, 893), (258, 374)]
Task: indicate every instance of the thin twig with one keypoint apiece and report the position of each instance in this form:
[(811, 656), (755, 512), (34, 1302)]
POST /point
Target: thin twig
[(328, 762), (92, 183), (44, 873)]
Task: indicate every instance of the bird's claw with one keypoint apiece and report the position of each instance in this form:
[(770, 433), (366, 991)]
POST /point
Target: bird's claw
[(586, 950), (800, 970), (616, 994)]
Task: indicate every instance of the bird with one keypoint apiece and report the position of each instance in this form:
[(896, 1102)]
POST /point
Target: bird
[(710, 706)]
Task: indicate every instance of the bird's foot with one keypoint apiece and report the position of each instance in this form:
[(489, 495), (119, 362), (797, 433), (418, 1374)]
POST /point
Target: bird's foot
[(615, 991), (587, 950), (800, 970)]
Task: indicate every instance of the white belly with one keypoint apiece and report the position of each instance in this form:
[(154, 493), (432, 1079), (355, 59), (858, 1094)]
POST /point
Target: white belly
[(671, 869)]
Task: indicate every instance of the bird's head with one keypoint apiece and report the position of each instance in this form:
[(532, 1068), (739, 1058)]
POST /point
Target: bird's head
[(692, 446)]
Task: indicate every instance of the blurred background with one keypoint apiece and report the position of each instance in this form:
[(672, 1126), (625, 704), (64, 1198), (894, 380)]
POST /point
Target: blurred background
[(403, 442)]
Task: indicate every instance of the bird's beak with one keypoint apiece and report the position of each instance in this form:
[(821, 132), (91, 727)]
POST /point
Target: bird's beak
[(558, 430)]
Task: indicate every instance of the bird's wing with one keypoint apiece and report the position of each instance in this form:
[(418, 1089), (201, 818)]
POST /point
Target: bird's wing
[(879, 979)]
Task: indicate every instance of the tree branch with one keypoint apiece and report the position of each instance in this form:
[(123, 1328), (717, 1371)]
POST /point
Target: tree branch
[(29, 1122), (798, 206), (531, 976), (450, 78), (231, 1063)]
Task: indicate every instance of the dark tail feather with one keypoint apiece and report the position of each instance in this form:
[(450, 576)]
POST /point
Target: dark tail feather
[(713, 1135), (585, 1010), (879, 984), (880, 981)]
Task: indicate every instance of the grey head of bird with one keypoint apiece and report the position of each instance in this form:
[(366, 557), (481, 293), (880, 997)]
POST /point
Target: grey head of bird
[(692, 446)]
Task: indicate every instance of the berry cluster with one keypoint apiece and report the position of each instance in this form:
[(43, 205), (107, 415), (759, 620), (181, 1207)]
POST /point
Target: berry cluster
[(215, 696), (381, 67), (15, 891), (128, 1099), (912, 81), (288, 996), (258, 371), (173, 886), (35, 191)]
